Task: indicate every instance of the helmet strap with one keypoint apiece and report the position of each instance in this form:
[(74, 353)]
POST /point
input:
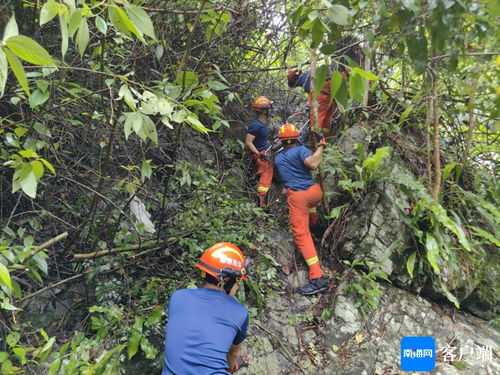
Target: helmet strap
[(228, 285)]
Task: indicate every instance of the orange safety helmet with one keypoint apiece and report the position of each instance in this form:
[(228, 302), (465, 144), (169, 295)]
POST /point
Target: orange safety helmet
[(288, 132), (261, 102), (293, 77), (223, 260)]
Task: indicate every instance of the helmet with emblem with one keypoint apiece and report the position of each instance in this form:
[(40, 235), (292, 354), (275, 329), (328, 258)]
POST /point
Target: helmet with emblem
[(222, 260)]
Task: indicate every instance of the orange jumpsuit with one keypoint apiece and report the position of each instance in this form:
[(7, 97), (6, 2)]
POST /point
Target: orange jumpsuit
[(300, 202), (265, 173)]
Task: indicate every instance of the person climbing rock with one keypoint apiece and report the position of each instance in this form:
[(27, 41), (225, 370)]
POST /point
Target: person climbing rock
[(294, 165), (206, 326), (326, 106), (257, 143)]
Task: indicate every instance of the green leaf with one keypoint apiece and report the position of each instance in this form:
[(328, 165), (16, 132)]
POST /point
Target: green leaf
[(18, 70), (101, 25), (450, 296), (405, 114), (364, 74), (38, 98), (114, 13), (49, 10), (122, 22), (317, 32), (5, 276), (335, 83), (141, 20), (335, 212), (432, 251), (133, 343), (189, 78), (448, 168), (487, 236), (217, 85), (339, 14), (75, 21), (328, 49), (29, 184), (127, 96), (149, 129), (48, 165), (321, 74), (374, 161), (3, 71), (338, 88), (82, 37), (146, 169), (148, 348), (410, 263), (47, 348), (64, 35), (37, 168), (356, 87), (11, 28), (28, 50), (196, 124)]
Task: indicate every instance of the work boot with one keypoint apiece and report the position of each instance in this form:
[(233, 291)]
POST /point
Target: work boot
[(313, 287)]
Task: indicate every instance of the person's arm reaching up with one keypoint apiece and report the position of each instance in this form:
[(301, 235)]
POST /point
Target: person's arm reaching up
[(313, 161)]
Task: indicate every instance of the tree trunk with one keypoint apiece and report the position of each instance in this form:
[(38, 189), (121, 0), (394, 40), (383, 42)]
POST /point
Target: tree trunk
[(437, 154)]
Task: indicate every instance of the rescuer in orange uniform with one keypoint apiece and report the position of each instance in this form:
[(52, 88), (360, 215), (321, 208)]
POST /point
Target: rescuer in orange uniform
[(294, 165), (256, 141), (326, 106)]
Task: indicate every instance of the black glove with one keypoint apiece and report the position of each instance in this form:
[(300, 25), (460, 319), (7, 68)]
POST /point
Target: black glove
[(318, 136), (264, 157)]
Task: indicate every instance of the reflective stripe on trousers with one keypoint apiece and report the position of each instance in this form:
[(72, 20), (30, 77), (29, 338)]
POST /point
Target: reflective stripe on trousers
[(265, 171), (299, 203)]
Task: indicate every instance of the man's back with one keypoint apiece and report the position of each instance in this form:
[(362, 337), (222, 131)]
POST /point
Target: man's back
[(291, 169), (202, 325)]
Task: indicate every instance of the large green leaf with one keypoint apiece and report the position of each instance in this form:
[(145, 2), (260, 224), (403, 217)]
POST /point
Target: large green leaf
[(196, 124), (141, 20), (321, 75), (28, 50), (18, 70), (339, 14), (410, 263), (49, 10), (3, 71), (82, 37), (364, 74), (64, 35), (11, 29), (356, 87), (432, 251), (133, 342), (5, 276), (338, 88), (317, 32), (121, 21)]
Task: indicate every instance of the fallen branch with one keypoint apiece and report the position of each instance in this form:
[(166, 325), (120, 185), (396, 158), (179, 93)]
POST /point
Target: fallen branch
[(43, 246), (101, 253)]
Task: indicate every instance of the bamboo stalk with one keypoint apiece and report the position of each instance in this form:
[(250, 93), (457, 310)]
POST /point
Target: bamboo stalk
[(437, 154), (46, 244)]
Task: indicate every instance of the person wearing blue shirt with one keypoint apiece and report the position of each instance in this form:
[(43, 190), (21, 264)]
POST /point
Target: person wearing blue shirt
[(294, 165), (206, 326), (257, 143)]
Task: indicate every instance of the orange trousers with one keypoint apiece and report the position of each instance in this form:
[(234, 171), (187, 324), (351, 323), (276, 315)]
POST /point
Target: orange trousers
[(265, 170), (299, 205), (325, 113)]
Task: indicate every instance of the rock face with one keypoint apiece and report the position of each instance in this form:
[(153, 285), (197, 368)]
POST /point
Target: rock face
[(291, 338), (377, 235)]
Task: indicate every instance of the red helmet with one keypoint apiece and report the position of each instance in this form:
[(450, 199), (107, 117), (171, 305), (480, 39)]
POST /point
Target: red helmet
[(288, 131), (223, 260), (261, 102), (293, 77)]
